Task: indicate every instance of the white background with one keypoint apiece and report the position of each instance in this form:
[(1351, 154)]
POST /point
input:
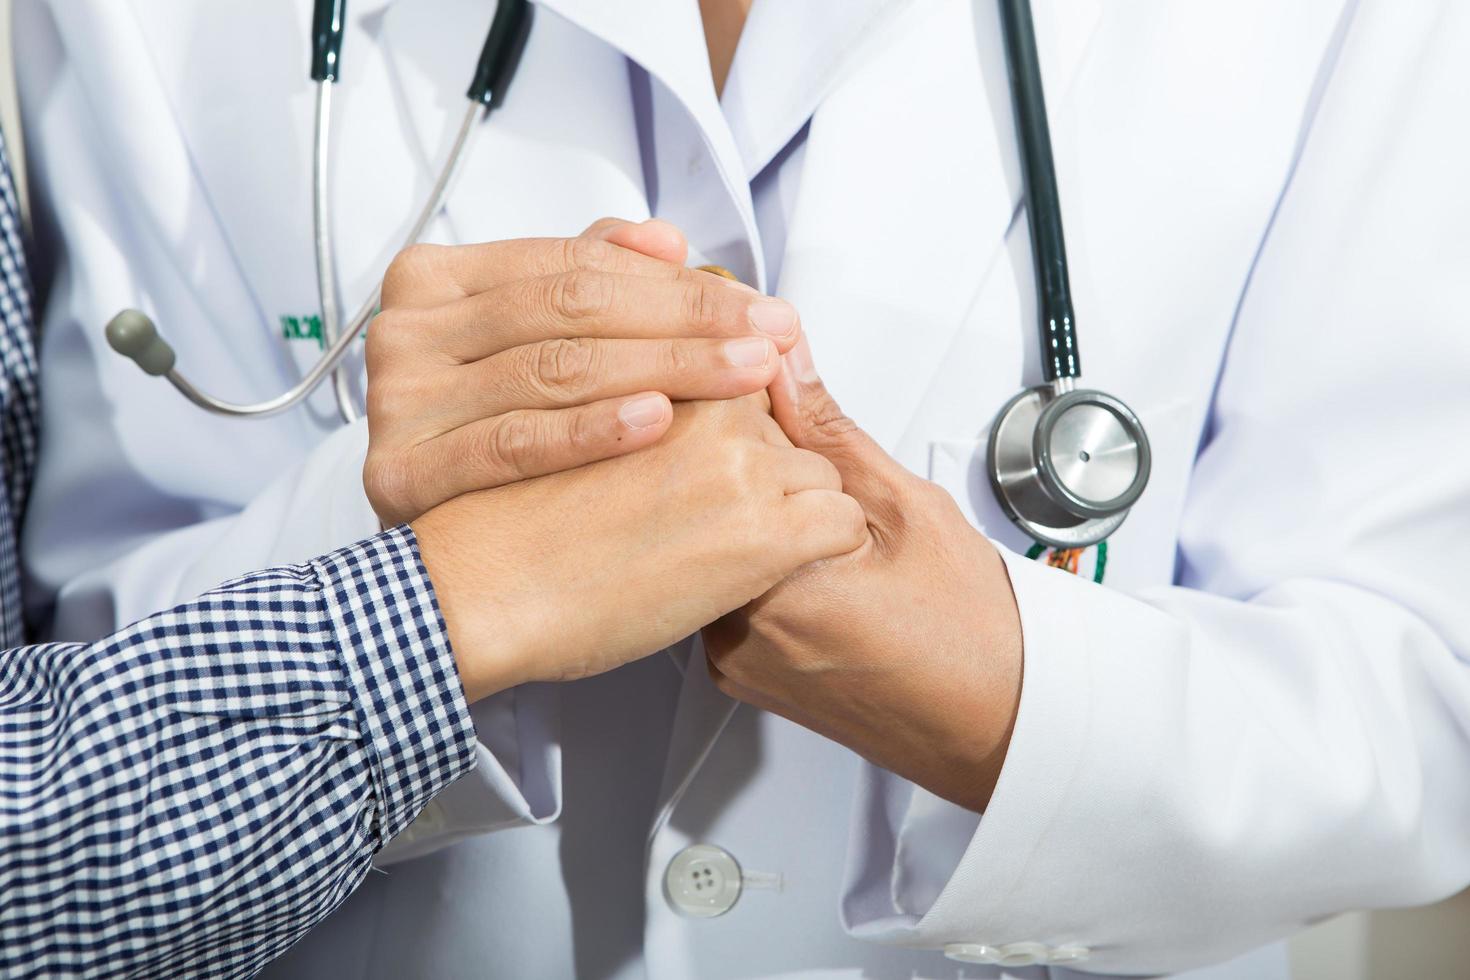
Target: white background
[(1397, 945)]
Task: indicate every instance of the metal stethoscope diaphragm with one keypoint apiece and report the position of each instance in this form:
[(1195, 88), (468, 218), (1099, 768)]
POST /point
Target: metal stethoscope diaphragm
[(1066, 463), (1067, 467)]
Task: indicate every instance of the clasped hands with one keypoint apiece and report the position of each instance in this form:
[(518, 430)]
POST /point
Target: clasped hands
[(579, 432)]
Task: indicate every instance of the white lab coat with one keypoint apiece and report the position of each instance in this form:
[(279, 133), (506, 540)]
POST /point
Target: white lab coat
[(1263, 717)]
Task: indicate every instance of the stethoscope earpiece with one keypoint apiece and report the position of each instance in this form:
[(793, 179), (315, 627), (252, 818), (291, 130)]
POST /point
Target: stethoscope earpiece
[(133, 334), (1066, 467)]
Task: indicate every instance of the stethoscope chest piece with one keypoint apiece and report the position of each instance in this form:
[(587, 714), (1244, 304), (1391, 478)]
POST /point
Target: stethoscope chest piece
[(1066, 467)]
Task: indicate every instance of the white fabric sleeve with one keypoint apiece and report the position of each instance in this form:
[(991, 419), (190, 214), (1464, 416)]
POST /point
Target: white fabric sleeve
[(1200, 769)]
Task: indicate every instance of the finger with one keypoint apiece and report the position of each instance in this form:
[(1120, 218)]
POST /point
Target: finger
[(812, 419), (492, 452), (428, 275), (562, 373), (558, 373), (655, 238), (593, 303), (802, 469), (822, 524)]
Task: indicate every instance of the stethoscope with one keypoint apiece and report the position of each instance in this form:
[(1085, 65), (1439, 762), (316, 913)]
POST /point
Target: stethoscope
[(1066, 463), (133, 334)]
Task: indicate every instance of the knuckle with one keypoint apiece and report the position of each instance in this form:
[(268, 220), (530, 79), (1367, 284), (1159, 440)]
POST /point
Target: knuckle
[(389, 486), (838, 525), (584, 252), (677, 360), (382, 335), (564, 364), (408, 271), (385, 328), (513, 444), (831, 476), (582, 294), (395, 398), (744, 473), (703, 306), (586, 435), (827, 420), (382, 399)]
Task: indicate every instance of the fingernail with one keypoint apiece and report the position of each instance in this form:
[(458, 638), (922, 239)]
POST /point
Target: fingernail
[(750, 352), (640, 413), (773, 316), (799, 362)]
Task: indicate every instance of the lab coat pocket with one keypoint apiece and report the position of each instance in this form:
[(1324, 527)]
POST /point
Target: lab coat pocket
[(1141, 552)]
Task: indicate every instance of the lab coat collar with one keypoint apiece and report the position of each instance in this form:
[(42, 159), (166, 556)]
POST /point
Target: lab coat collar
[(666, 39), (790, 56)]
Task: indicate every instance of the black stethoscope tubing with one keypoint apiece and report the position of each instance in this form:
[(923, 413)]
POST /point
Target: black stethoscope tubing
[(1060, 357)]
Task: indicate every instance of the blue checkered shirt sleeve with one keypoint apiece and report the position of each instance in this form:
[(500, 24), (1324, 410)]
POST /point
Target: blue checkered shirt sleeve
[(19, 404), (188, 796)]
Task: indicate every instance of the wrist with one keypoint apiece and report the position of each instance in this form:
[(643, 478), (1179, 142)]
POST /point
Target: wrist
[(996, 685), (480, 634), (958, 704)]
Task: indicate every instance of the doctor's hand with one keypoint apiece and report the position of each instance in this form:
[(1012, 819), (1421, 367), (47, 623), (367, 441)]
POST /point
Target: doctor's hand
[(579, 572), (907, 650), (497, 362)]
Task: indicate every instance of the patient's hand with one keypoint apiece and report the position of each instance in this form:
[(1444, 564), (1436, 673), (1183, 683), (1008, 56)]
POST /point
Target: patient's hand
[(578, 572), (494, 363)]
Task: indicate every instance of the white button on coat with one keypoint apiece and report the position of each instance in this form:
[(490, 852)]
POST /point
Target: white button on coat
[(1068, 954), (971, 953), (1022, 954), (702, 881), (1016, 954)]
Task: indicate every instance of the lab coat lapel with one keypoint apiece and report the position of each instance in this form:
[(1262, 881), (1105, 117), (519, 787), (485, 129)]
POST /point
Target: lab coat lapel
[(887, 249)]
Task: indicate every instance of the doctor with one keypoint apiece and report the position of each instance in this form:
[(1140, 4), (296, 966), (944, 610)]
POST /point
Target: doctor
[(1260, 719)]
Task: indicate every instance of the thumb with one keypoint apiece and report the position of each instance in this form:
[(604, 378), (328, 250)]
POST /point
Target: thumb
[(812, 419), (654, 238)]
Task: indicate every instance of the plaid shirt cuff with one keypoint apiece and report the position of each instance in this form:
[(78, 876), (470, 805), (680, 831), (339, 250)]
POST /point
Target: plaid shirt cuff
[(395, 648)]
